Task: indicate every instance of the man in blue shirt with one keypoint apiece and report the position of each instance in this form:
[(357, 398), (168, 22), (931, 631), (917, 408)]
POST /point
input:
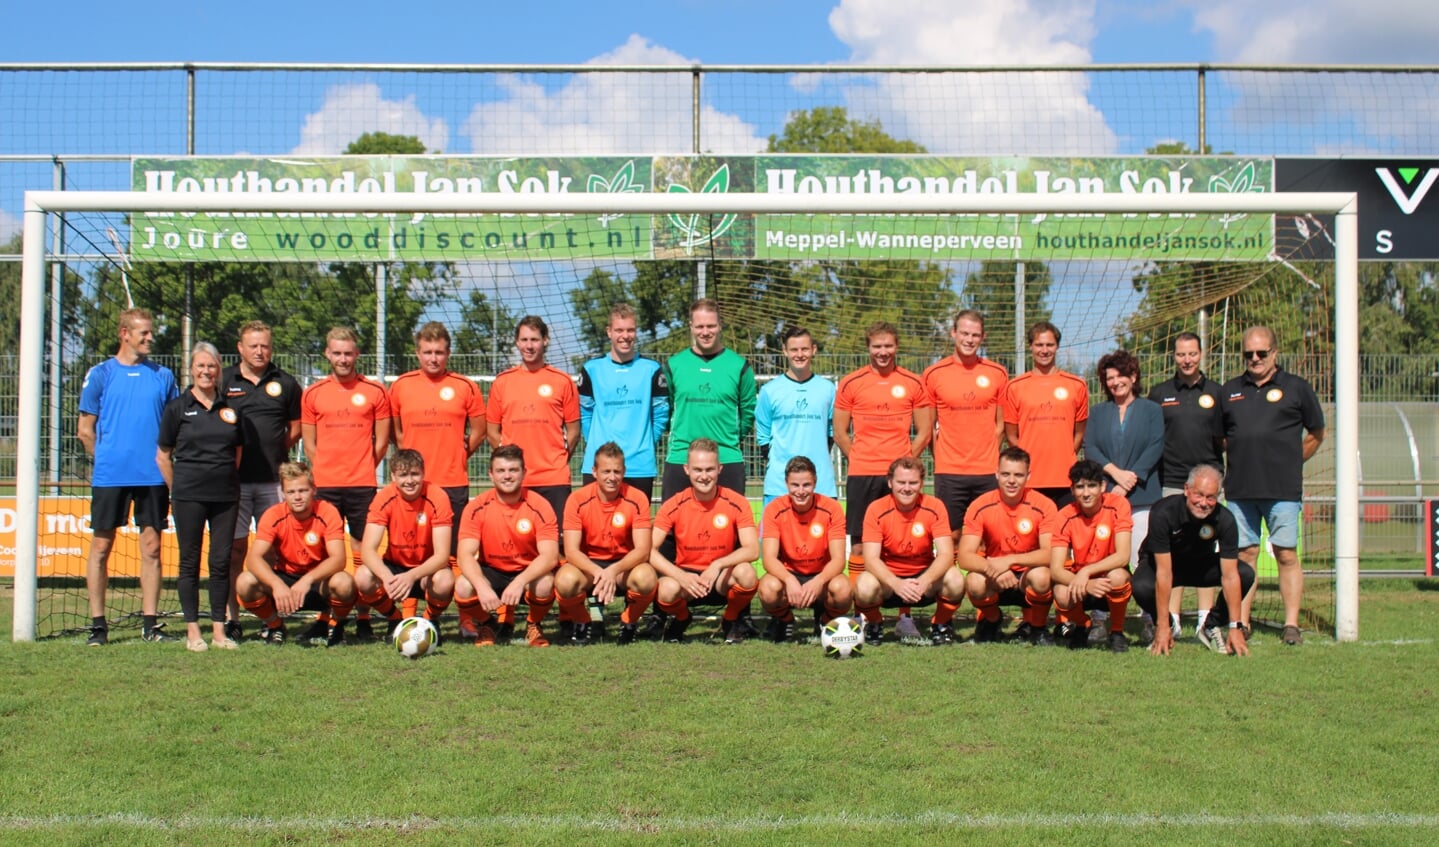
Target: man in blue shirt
[(120, 405), (792, 418), (624, 398)]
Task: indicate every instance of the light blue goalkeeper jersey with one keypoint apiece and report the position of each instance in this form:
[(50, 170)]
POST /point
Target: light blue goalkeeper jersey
[(627, 403), (793, 418)]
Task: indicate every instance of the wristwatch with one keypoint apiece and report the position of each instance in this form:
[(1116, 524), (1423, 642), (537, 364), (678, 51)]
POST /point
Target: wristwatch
[(1234, 624)]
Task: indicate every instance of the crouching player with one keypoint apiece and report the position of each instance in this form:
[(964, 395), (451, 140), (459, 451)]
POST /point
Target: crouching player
[(297, 560), (1089, 557), (607, 549), (1005, 548), (714, 548), (413, 519), (509, 547), (908, 555), (804, 554)]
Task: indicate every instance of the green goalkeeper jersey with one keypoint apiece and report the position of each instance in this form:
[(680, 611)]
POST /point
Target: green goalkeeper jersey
[(710, 397)]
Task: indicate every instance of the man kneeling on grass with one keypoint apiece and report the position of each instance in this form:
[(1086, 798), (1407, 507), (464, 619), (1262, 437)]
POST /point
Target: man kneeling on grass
[(413, 519), (1089, 557), (711, 560), (298, 560)]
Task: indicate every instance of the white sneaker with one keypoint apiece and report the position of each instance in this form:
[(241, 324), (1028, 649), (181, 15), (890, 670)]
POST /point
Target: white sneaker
[(1214, 638), (1175, 628), (905, 629)]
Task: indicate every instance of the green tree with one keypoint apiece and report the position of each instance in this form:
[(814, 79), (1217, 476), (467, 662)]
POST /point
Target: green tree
[(990, 291), (385, 144), (830, 129), (485, 331), (71, 299)]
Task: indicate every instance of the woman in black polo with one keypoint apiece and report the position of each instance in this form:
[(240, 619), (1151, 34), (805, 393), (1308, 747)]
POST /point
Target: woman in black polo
[(199, 452)]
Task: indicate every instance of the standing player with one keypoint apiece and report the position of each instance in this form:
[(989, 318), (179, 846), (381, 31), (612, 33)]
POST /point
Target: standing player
[(1005, 548), (536, 408), (607, 548), (792, 419), (298, 560), (713, 391), (624, 398), (268, 400), (412, 518), (442, 415), (1193, 435), (967, 390), (882, 402), (1089, 557), (908, 555), (1045, 410), (1273, 424), (121, 402), (345, 423), (715, 542), (509, 547), (803, 549)]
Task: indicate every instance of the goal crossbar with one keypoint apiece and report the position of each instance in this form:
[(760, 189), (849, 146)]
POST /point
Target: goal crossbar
[(39, 204)]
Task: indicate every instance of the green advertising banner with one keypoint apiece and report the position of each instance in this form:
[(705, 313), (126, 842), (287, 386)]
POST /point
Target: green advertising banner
[(263, 237), (472, 237)]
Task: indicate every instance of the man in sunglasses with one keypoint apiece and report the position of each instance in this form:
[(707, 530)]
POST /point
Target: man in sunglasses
[(1273, 424)]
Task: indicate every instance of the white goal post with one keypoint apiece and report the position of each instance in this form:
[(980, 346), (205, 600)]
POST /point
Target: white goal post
[(1345, 426)]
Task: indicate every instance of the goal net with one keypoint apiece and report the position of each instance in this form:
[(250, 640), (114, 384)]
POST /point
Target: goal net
[(1128, 256)]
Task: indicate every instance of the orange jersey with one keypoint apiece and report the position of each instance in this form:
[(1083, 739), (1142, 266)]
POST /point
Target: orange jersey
[(432, 414), (704, 531), (1046, 410), (532, 408), (906, 538), (607, 528), (1005, 530), (804, 538), (408, 523), (1090, 539), (966, 400), (344, 417), (299, 546), (509, 534), (881, 410)]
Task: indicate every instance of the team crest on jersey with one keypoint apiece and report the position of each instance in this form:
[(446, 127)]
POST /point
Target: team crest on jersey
[(916, 529), (1206, 402), (357, 399), (227, 415), (1061, 393), (312, 538), (1101, 532), (982, 381), (816, 530), (422, 519), (545, 389), (1025, 526), (897, 392), (1274, 395), (1206, 532), (721, 521), (523, 526), (273, 389), (447, 393), (619, 520)]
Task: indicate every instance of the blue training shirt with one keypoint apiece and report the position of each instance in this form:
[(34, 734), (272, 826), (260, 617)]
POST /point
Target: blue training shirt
[(127, 401), (794, 419), (627, 403)]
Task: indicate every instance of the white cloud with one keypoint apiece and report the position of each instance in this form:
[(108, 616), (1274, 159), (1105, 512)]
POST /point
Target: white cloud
[(350, 111), (1320, 31), (611, 113), (1024, 113)]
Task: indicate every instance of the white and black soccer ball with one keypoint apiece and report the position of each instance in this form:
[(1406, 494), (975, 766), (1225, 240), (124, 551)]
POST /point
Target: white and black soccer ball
[(842, 638), (416, 637)]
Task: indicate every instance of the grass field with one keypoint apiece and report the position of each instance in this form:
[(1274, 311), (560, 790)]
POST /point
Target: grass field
[(755, 744)]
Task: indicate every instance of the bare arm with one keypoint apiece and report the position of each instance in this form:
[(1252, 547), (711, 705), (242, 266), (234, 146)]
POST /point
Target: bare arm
[(382, 438), (307, 434), (572, 436), (1011, 433), (842, 438), (492, 435), (85, 431), (476, 435), (1312, 439), (924, 418), (163, 461)]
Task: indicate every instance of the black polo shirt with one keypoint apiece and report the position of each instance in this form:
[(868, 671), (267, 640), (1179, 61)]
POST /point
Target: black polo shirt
[(266, 408), (204, 442), (1194, 544), (1265, 425), (1193, 427)]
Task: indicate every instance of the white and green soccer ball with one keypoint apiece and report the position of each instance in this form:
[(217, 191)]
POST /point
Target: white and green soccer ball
[(842, 638), (416, 637)]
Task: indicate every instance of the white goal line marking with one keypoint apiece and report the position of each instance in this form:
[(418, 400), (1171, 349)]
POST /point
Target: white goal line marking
[(642, 822)]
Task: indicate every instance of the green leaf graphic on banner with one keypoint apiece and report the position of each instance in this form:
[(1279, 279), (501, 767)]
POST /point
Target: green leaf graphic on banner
[(621, 183), (695, 234)]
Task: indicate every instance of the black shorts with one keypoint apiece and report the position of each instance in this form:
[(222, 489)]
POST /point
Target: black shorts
[(859, 492), (804, 579), (644, 484), (353, 502), (110, 507), (1061, 496), (957, 491), (314, 600), (459, 498), (499, 580), (894, 601), (555, 495), (415, 590)]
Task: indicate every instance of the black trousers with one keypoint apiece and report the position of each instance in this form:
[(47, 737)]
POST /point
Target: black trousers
[(1198, 576), (190, 519)]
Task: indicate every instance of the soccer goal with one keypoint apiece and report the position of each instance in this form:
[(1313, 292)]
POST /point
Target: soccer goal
[(1121, 268)]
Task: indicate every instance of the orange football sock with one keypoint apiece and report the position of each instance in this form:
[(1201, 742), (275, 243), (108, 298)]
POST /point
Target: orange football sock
[(434, 608), (635, 606), (505, 614), (737, 601), (1119, 606), (679, 609), (380, 601), (944, 609), (1077, 615), (987, 607), (538, 606), (856, 567), (871, 614), (264, 609), (340, 609), (573, 609), (471, 615), (832, 612), (1036, 607), (410, 606)]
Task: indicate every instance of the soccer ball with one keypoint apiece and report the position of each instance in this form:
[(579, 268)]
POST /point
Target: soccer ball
[(842, 638), (416, 637)]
